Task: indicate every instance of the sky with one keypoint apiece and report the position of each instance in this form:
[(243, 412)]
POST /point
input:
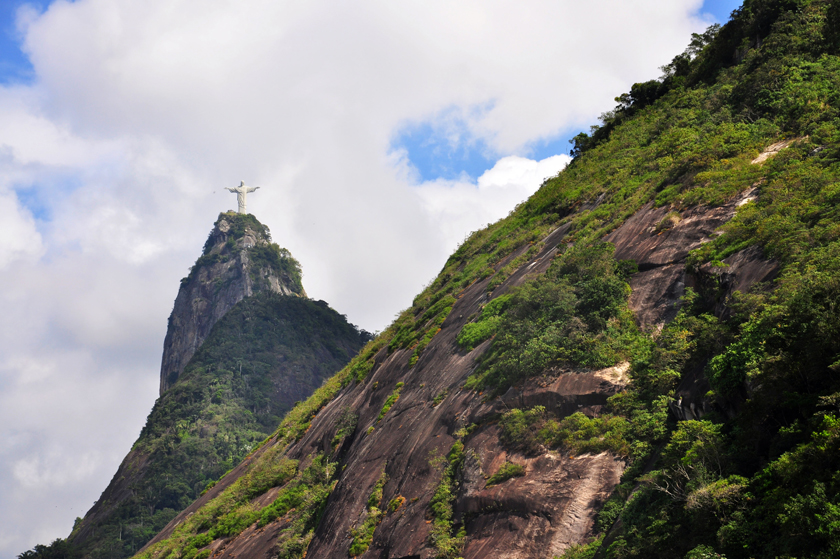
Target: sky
[(381, 134)]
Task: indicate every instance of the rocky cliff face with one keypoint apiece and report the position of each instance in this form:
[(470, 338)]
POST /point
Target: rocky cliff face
[(238, 261)]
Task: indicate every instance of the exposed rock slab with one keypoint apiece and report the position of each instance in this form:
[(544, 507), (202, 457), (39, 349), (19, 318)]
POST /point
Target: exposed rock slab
[(659, 240), (563, 392), (656, 293), (773, 149), (540, 514), (642, 238), (741, 271)]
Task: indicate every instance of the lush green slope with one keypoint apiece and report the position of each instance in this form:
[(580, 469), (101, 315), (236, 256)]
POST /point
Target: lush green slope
[(265, 354), (760, 477)]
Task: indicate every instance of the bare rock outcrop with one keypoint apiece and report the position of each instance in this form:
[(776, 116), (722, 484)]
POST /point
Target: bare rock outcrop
[(238, 261), (659, 240)]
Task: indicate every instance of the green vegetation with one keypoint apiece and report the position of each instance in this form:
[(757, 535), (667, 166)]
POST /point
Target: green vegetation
[(346, 425), (584, 551), (575, 314), (416, 332), (738, 483), (439, 398), (278, 260), (264, 255), (447, 539), (363, 535), (58, 549), (506, 471), (533, 430), (315, 486), (486, 325), (396, 503), (301, 499), (221, 408), (390, 401), (288, 498)]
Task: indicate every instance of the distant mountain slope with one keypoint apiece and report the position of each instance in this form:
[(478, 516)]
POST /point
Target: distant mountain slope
[(642, 360), (266, 349)]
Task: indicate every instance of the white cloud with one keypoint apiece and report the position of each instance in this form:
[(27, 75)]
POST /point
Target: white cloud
[(19, 238), (142, 111), (55, 469), (32, 138), (460, 207)]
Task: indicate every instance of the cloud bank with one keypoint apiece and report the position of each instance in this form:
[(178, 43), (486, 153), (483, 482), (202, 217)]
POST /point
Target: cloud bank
[(113, 160)]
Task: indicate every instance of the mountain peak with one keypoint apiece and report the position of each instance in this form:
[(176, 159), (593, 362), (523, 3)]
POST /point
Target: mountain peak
[(239, 259), (239, 227)]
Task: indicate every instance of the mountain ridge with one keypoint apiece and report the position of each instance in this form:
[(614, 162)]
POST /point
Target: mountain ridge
[(717, 283), (252, 345)]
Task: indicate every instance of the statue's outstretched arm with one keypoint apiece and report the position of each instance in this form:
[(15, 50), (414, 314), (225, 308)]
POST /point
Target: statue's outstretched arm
[(230, 189), (252, 188)]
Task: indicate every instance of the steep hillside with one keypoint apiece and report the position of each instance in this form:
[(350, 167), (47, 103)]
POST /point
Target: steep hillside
[(642, 360), (265, 350), (238, 260)]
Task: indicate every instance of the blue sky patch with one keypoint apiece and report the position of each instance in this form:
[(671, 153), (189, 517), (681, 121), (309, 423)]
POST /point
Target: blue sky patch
[(554, 145), (444, 151), (33, 199), (451, 151), (720, 9), (48, 192), (14, 64)]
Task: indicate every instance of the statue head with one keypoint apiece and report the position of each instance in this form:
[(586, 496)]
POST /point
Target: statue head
[(241, 183)]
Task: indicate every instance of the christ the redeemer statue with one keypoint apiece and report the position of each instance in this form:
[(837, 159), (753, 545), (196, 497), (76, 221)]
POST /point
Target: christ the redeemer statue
[(241, 193)]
